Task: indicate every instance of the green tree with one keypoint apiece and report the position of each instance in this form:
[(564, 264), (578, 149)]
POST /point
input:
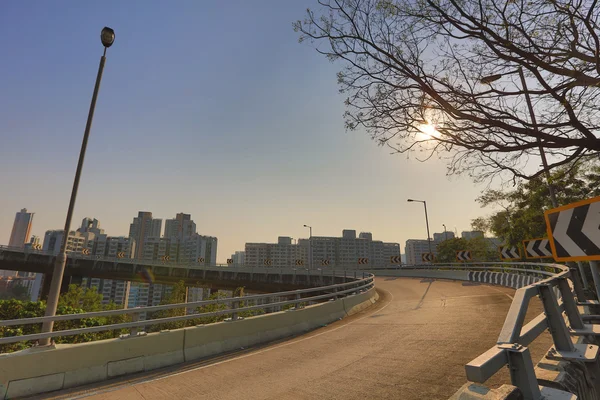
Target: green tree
[(177, 295), (446, 250), (88, 299), (76, 300), (520, 212)]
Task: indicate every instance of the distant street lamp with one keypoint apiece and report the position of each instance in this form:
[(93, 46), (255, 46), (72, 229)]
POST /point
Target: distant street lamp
[(426, 220), (488, 80), (107, 37), (309, 247), (445, 233)]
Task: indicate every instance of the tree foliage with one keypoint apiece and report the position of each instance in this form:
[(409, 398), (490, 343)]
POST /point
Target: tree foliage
[(481, 249), (408, 63), (76, 300), (520, 213)]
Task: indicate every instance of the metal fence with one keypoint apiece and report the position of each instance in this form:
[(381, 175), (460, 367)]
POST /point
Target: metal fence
[(266, 302)]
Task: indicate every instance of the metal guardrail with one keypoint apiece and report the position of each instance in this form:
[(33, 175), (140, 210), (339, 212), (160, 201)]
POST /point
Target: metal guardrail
[(268, 301), (560, 290)]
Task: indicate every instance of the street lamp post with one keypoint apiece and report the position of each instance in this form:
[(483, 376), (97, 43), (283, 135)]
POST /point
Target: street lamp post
[(107, 36), (492, 78), (426, 220), (445, 233), (309, 247)]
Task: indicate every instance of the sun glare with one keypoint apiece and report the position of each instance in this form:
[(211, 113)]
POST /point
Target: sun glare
[(428, 131)]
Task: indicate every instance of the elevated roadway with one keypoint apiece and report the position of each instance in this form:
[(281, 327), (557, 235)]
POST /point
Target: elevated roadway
[(412, 344)]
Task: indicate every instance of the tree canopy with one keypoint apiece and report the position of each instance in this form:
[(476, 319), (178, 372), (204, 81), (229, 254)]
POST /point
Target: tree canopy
[(440, 77), (520, 214)]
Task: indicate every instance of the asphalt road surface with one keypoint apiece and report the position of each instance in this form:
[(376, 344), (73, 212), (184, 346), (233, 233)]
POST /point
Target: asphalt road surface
[(412, 344)]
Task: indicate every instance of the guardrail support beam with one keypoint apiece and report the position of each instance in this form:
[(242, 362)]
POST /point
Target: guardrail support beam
[(570, 305), (556, 323), (522, 373), (596, 276), (584, 279), (576, 277)]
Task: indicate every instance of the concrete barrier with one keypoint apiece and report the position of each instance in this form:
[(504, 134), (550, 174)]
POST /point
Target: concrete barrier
[(40, 370), (514, 281)]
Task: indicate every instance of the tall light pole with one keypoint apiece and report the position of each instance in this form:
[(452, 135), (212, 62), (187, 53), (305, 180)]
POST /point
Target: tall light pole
[(426, 220), (445, 233), (107, 36), (488, 80), (309, 247)]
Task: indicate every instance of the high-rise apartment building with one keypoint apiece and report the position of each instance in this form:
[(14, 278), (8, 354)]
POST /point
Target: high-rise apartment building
[(180, 227), (337, 252), (415, 248), (90, 225), (21, 229), (76, 241), (186, 251), (142, 228)]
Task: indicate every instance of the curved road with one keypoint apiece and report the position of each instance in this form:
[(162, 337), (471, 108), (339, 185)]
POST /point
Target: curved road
[(412, 344)]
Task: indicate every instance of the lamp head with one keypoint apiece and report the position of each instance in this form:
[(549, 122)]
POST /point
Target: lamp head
[(486, 80), (107, 36)]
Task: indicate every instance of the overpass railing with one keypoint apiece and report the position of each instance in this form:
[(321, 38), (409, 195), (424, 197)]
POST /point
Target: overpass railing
[(232, 306), (560, 289)]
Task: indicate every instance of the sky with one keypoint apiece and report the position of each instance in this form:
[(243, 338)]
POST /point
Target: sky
[(206, 107)]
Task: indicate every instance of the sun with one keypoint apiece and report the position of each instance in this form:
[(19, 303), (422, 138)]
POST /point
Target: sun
[(428, 131)]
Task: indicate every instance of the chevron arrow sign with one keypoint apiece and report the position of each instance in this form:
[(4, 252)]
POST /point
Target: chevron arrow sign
[(299, 262), (574, 230), (537, 248), (427, 257), (363, 261), (463, 255), (395, 260), (509, 252)]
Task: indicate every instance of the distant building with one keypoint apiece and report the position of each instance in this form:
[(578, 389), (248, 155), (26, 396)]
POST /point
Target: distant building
[(76, 241), (187, 250), (91, 225), (180, 227), (142, 228), (415, 248), (33, 244), (239, 258), (440, 237), (21, 229), (471, 234), (336, 252)]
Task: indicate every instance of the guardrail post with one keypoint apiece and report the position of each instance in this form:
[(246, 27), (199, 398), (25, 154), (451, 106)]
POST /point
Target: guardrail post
[(298, 301), (135, 317), (596, 276), (584, 279), (556, 323), (570, 304), (522, 374), (234, 306), (575, 278)]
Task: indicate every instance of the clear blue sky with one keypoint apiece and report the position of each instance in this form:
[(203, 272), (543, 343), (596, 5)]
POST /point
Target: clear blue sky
[(208, 108)]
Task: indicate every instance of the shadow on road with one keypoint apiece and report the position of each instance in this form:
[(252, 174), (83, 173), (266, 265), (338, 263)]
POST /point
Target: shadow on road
[(424, 294)]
